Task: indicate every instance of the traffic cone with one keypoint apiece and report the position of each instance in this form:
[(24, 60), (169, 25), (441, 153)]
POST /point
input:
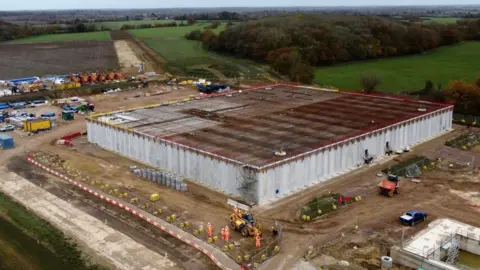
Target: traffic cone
[(257, 241)]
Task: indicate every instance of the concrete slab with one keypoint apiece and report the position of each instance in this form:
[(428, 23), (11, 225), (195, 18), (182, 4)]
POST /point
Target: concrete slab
[(439, 233)]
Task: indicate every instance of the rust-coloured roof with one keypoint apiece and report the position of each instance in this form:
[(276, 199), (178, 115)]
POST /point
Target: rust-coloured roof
[(251, 126)]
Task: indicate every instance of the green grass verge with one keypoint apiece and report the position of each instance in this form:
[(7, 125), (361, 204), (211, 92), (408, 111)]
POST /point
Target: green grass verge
[(319, 206), (172, 32), (45, 234), (458, 62), (118, 24), (103, 35)]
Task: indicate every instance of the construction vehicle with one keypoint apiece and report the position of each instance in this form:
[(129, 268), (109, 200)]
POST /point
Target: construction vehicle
[(389, 186), (171, 79), (245, 223)]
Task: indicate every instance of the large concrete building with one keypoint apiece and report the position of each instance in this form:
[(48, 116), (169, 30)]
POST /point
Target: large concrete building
[(229, 142)]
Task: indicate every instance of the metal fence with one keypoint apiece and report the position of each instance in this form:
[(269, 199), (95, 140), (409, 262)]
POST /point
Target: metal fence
[(454, 159), (325, 204), (465, 141), (270, 250), (466, 120), (414, 169)]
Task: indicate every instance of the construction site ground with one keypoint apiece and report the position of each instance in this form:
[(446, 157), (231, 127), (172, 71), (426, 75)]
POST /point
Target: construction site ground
[(439, 193), (199, 206), (14, 160)]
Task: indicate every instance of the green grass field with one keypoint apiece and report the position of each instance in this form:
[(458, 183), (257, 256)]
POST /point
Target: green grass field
[(171, 32), (64, 37), (408, 72), (177, 50), (116, 25), (187, 56)]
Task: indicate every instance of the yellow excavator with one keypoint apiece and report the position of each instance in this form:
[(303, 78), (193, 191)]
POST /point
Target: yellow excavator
[(245, 223), (171, 78)]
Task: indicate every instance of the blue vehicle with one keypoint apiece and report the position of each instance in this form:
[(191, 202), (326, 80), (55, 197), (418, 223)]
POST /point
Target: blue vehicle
[(413, 217), (49, 114)]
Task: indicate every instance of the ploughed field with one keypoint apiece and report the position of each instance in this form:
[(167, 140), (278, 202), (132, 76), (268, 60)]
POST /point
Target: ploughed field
[(38, 59)]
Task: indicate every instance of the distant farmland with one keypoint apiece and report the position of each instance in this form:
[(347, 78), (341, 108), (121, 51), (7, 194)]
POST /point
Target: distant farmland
[(188, 56), (171, 32), (118, 24), (408, 72), (38, 59), (98, 36)]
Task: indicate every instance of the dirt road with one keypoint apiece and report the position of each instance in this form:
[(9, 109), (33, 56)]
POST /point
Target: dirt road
[(130, 49)]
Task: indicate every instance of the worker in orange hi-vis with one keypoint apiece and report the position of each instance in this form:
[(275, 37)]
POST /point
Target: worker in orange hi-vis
[(257, 241), (223, 234), (209, 230), (227, 234)]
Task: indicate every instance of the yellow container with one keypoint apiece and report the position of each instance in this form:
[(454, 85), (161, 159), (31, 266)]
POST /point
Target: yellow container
[(36, 124), (77, 85), (154, 197), (189, 82)]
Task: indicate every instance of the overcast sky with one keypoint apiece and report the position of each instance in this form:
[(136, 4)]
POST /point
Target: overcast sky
[(97, 4)]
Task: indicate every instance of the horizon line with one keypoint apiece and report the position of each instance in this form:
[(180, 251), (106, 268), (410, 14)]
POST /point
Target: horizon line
[(247, 7)]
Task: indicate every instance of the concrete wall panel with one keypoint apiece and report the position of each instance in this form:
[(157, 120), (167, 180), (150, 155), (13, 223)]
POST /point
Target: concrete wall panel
[(286, 178)]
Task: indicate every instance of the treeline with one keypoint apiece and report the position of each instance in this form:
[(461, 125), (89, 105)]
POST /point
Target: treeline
[(464, 95), (223, 16), (151, 25), (10, 31), (293, 45)]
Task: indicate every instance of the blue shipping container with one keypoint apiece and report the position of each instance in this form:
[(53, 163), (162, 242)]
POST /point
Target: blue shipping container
[(6, 142)]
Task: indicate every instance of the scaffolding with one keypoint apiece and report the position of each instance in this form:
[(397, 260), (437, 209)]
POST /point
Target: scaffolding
[(453, 250)]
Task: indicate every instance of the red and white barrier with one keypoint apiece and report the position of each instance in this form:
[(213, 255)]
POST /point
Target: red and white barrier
[(103, 196), (69, 137)]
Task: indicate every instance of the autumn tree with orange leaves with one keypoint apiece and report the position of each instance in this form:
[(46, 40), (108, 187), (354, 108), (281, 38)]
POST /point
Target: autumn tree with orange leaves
[(465, 96)]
